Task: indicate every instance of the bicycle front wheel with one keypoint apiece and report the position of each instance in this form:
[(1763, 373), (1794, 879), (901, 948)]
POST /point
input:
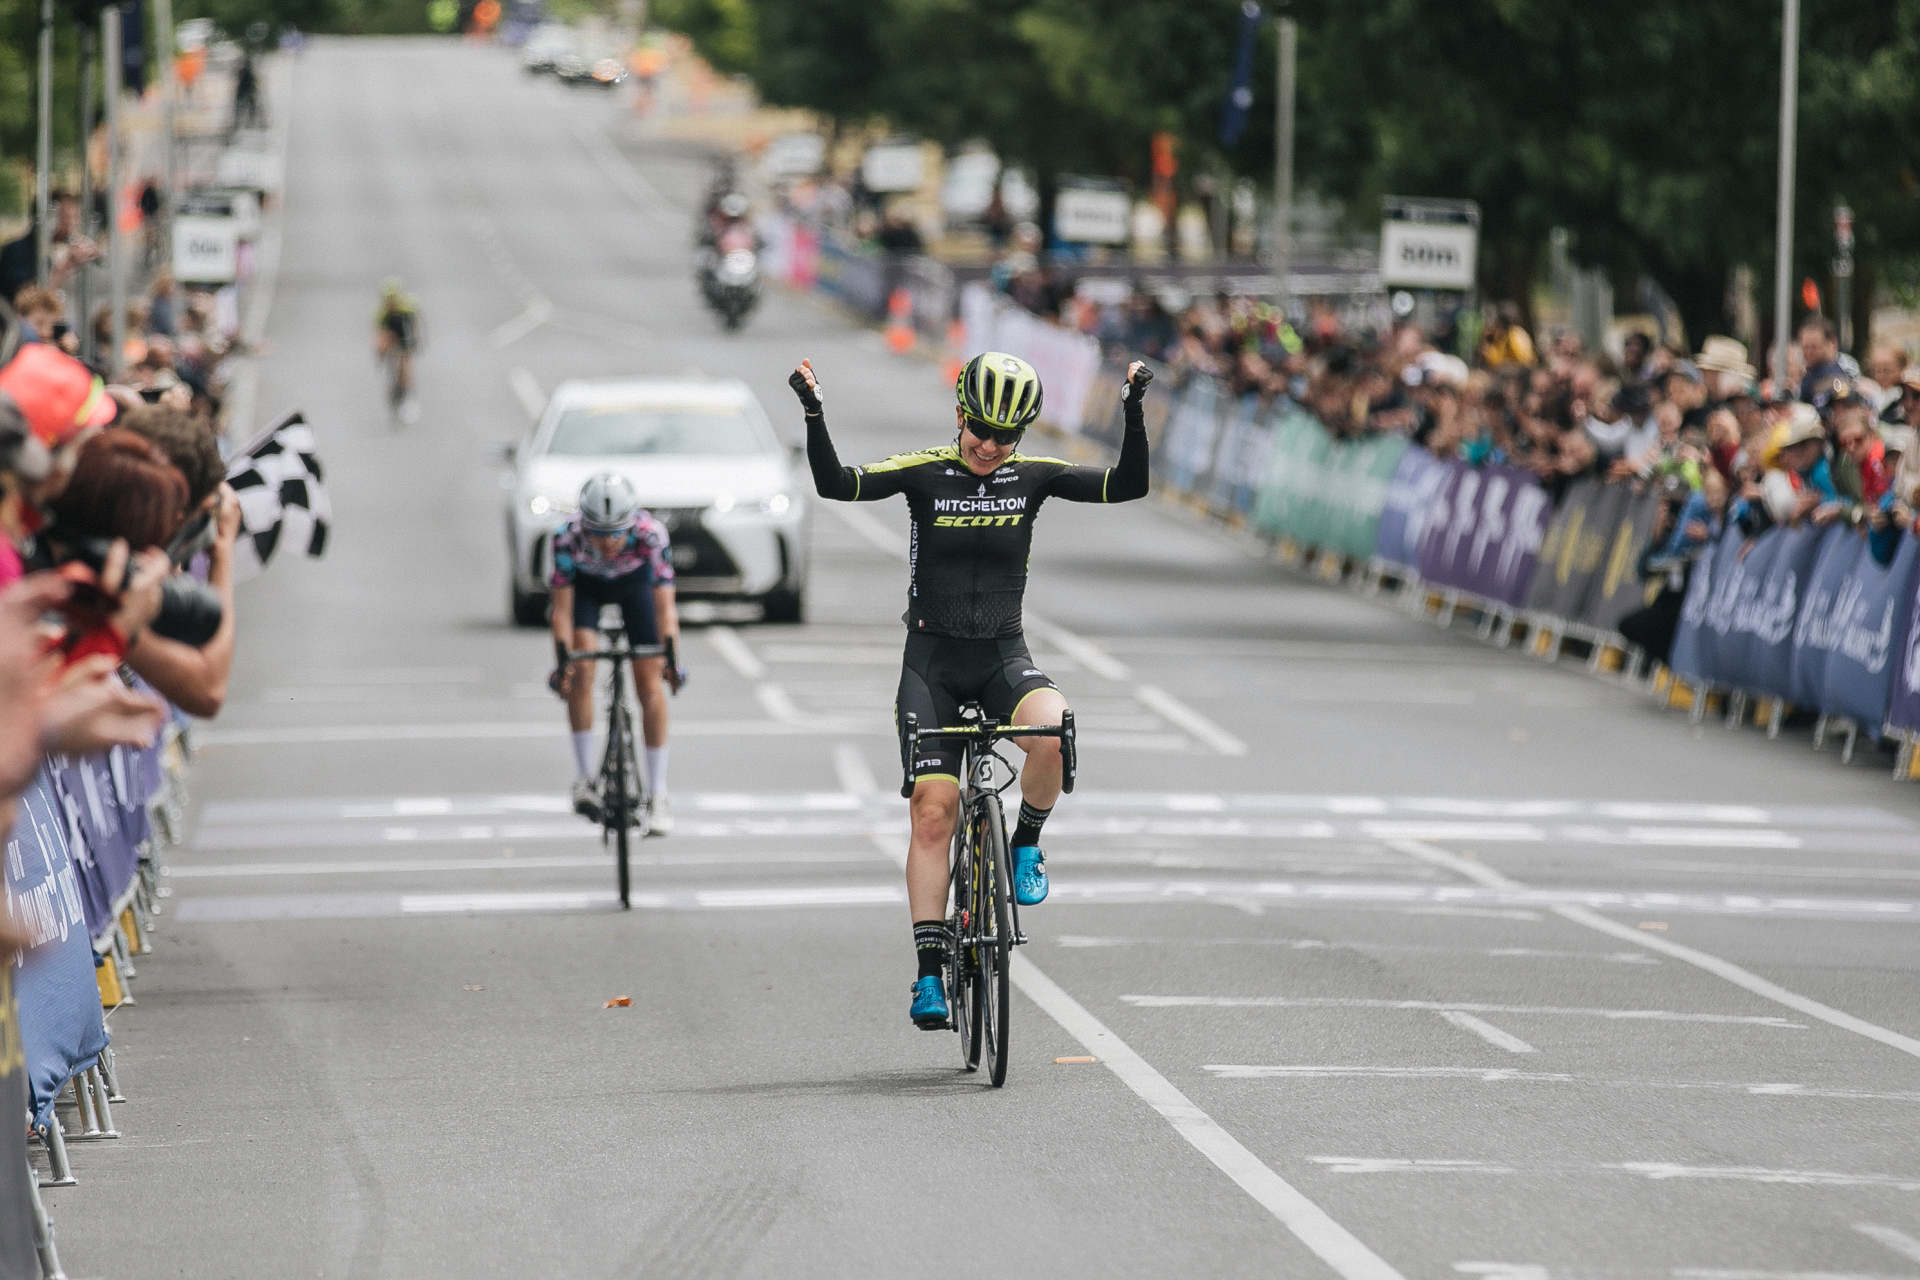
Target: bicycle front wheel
[(995, 986), (619, 804), (962, 1006)]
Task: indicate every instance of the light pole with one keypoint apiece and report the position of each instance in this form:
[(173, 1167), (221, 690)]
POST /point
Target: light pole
[(43, 152), (1783, 216), (110, 36), (1289, 33)]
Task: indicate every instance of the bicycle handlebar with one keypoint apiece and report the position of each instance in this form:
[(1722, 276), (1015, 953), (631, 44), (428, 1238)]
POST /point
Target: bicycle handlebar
[(989, 732), (625, 651)]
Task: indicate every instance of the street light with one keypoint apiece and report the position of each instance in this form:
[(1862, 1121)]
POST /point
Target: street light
[(1783, 218)]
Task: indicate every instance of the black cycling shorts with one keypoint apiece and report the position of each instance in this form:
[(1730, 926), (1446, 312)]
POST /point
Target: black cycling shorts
[(939, 674), (633, 592)]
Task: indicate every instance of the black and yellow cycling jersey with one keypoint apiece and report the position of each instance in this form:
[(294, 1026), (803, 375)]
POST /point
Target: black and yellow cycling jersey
[(973, 534)]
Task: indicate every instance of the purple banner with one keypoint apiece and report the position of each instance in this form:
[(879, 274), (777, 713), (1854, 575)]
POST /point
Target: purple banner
[(1484, 529)]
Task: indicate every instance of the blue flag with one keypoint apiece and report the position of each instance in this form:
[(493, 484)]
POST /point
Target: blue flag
[(1233, 117)]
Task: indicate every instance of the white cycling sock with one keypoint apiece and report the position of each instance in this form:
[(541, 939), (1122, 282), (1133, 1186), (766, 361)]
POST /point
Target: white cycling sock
[(583, 752), (657, 771)]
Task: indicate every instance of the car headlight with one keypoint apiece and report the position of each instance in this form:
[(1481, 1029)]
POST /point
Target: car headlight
[(776, 505), (540, 504), (723, 504)]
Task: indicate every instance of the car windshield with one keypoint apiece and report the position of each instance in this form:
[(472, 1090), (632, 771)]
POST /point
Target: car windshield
[(621, 429)]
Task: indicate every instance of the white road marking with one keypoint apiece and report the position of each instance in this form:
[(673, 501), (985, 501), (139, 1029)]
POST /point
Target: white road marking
[(537, 313), (441, 904), (777, 704), (1503, 1270), (311, 735), (1313, 944), (1309, 1223), (1753, 982), (1437, 1006), (1081, 650), (833, 896), (1898, 1241), (1514, 1075), (856, 776), (734, 652), (1708, 1273), (527, 391), (1487, 1031), (1192, 721), (1654, 1170)]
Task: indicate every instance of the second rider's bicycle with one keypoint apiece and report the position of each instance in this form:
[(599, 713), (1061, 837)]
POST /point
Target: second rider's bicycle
[(983, 921), (623, 783)]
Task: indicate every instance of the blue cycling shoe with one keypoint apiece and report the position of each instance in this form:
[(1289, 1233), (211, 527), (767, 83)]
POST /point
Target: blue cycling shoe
[(929, 1012), (1029, 876)]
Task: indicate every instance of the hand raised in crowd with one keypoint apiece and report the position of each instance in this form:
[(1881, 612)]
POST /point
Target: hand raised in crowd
[(92, 709), (1696, 530), (1824, 513), (27, 666), (226, 524)]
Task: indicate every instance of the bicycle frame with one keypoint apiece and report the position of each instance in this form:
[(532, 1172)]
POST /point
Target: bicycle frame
[(618, 804)]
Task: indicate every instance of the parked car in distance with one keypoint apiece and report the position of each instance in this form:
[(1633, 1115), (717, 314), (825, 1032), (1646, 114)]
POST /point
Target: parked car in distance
[(703, 458), (545, 45)]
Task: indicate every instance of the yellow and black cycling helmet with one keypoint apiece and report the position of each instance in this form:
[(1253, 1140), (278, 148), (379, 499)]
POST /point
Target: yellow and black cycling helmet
[(1000, 390)]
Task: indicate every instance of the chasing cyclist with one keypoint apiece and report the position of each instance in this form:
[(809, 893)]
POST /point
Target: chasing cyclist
[(396, 336), (973, 504), (615, 553)]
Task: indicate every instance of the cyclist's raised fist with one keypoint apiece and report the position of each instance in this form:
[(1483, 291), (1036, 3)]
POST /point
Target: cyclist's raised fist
[(1138, 376), (806, 386)]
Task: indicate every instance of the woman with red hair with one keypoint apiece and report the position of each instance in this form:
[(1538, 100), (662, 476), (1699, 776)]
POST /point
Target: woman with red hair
[(121, 506)]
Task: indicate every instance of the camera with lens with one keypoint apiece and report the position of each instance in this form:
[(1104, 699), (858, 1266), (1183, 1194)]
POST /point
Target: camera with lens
[(190, 610)]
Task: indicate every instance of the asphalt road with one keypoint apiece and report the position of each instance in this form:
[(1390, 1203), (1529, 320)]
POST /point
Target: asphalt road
[(1401, 955)]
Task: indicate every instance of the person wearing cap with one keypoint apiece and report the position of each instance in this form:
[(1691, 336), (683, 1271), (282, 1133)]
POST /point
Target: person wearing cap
[(1622, 426), (1801, 457), (62, 404), (1820, 349), (1859, 471), (1905, 409), (1887, 366)]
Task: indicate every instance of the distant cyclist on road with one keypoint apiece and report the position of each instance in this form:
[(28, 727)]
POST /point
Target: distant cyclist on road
[(615, 553), (973, 505), (396, 336)]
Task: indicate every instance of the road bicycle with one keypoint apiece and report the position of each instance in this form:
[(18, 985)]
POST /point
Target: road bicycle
[(623, 783), (983, 921)]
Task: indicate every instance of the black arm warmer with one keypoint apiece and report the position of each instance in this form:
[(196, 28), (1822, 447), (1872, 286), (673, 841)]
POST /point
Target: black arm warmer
[(1130, 473), (830, 479)]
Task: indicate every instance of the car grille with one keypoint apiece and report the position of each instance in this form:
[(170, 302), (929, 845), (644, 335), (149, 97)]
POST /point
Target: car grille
[(700, 563)]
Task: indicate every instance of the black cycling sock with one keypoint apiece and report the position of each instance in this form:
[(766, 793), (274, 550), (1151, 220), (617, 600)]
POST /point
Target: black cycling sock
[(1026, 832), (930, 945)]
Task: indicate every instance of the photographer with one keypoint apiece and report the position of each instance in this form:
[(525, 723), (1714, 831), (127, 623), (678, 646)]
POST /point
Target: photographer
[(1689, 521), (193, 678)]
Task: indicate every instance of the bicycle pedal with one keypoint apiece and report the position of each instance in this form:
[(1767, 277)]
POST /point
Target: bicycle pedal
[(930, 1025)]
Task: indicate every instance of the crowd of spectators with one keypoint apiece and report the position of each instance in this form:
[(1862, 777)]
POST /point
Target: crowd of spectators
[(117, 531)]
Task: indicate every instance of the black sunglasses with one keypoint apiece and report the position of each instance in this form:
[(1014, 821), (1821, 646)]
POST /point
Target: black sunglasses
[(981, 431)]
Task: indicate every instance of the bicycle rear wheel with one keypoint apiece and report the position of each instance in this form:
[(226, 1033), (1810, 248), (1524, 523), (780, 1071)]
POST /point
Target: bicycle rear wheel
[(963, 1008), (618, 802), (995, 986)]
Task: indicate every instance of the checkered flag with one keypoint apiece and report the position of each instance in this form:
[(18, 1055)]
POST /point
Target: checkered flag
[(277, 478)]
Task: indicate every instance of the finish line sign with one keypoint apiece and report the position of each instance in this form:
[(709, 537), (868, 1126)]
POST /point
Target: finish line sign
[(1429, 244)]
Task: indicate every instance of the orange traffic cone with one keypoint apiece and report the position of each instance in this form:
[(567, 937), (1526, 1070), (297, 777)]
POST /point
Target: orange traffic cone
[(956, 343), (900, 322)]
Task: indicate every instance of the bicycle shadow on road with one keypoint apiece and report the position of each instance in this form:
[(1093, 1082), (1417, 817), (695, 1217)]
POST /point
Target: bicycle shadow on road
[(905, 1082)]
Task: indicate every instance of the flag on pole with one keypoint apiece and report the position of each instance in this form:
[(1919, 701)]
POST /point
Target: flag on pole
[(1233, 115), (282, 498)]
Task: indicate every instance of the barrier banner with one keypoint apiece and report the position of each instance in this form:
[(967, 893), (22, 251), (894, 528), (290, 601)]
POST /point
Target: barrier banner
[(1733, 607), (104, 857), (1187, 448), (1484, 529), (1903, 704), (1694, 647), (1617, 590), (1575, 548), (1322, 492), (1814, 628), (1868, 629), (1067, 361), (1239, 464), (61, 1030), (1408, 502), (1769, 627)]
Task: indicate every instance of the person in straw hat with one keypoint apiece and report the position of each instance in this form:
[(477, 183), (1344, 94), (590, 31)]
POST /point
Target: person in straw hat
[(1723, 362)]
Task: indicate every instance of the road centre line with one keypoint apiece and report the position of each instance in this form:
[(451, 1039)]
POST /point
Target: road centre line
[(1898, 1241), (1487, 1031), (1079, 648), (1514, 1075), (1753, 982), (1654, 1170), (1723, 1273), (621, 172), (538, 312), (1307, 1221), (1465, 1006)]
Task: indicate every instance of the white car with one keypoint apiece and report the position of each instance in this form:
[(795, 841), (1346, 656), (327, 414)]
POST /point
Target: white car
[(704, 460)]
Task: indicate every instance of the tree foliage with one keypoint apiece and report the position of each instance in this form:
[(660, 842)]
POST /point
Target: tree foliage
[(1646, 129)]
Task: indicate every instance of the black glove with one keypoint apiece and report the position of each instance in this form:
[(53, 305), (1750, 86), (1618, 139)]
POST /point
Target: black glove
[(809, 395), (676, 675), (559, 676), (1136, 386)]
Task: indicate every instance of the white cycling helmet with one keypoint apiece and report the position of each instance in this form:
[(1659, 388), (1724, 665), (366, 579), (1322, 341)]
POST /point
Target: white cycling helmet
[(607, 503)]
